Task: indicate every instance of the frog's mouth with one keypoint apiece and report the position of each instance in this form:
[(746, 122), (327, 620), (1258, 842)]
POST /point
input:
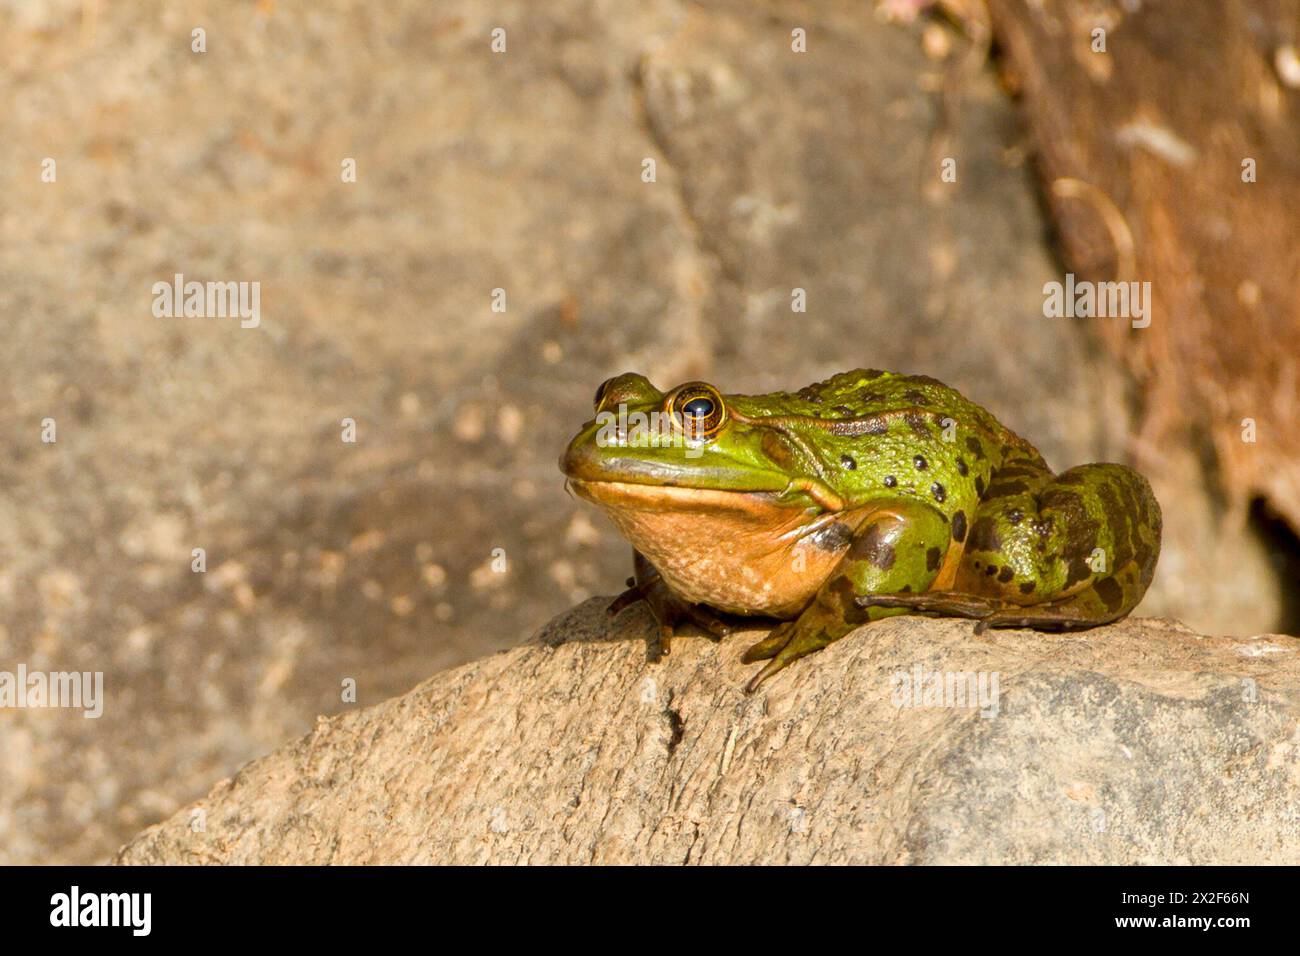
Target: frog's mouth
[(585, 461), (651, 497), (609, 480)]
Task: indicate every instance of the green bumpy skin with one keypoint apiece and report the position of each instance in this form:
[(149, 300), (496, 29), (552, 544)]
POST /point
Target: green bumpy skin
[(866, 495)]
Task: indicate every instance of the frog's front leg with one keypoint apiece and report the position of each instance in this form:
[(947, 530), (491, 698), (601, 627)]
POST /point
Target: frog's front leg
[(668, 609), (898, 548)]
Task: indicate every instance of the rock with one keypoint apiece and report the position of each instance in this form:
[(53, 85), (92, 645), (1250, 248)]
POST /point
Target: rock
[(1142, 742)]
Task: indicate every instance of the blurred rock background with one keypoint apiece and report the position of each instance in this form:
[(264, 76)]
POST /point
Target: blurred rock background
[(476, 171)]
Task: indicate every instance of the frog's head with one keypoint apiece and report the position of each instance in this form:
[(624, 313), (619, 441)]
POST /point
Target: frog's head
[(693, 438), (716, 491)]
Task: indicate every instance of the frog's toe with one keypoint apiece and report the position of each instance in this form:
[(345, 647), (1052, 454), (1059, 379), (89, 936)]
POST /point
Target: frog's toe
[(671, 614), (949, 603), (796, 642), (713, 626), (769, 646), (626, 599), (1042, 619), (986, 612), (661, 645)]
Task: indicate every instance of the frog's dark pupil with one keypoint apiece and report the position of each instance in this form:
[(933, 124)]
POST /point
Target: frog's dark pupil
[(698, 408)]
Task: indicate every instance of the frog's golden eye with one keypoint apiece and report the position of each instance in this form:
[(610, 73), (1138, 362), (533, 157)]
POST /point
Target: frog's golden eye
[(699, 409)]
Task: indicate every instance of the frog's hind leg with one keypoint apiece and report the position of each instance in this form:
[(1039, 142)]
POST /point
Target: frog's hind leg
[(1061, 552)]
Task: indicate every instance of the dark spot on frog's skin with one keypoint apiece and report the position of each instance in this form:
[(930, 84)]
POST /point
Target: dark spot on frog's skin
[(974, 447), (833, 538), (874, 549), (915, 397), (984, 535), (906, 588), (841, 589), (1121, 520), (890, 481), (1006, 489), (1027, 587), (842, 409), (1019, 469), (932, 558), (936, 489), (1070, 479), (1077, 567), (1015, 516), (920, 462), (962, 469), (959, 527), (1006, 575), (979, 485), (1080, 532), (1142, 553), (1110, 592), (848, 462), (918, 425), (991, 570)]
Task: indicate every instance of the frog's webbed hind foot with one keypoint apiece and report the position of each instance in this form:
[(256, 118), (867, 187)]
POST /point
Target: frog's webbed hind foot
[(668, 609), (769, 646)]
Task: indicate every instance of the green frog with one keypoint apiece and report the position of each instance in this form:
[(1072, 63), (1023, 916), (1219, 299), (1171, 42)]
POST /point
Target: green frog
[(867, 495)]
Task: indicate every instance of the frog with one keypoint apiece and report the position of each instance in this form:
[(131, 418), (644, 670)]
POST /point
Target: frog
[(864, 496)]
